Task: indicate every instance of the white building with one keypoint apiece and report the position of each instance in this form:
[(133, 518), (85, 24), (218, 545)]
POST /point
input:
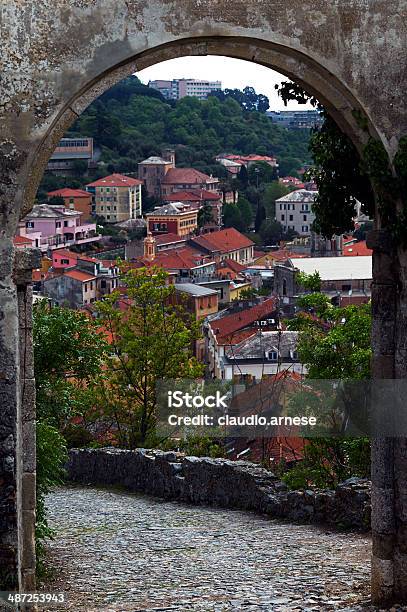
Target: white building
[(294, 211), (179, 88), (265, 353)]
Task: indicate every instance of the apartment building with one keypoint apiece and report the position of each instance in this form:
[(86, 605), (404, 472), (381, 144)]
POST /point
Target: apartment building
[(116, 197), (180, 88), (68, 151), (50, 227), (294, 211), (174, 217), (75, 199)]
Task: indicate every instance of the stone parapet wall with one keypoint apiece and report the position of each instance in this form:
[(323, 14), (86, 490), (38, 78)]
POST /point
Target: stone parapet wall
[(220, 482)]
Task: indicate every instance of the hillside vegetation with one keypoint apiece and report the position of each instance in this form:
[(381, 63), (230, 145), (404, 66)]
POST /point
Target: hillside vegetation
[(132, 121)]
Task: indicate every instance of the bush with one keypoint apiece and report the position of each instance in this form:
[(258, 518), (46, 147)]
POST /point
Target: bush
[(196, 446), (329, 461), (51, 457)]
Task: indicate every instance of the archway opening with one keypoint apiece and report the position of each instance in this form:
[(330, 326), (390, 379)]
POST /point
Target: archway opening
[(340, 102)]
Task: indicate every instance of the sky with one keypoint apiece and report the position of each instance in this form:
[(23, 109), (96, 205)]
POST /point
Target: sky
[(233, 73)]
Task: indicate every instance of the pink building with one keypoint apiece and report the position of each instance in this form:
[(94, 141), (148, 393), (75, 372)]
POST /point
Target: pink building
[(50, 227)]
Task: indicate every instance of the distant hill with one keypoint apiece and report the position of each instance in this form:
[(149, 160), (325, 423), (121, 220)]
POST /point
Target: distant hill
[(132, 121)]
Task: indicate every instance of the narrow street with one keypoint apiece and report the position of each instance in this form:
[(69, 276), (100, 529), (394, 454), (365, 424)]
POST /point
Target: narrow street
[(116, 551)]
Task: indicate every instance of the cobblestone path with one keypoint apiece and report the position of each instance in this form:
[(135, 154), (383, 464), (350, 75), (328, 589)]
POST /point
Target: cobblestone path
[(117, 551)]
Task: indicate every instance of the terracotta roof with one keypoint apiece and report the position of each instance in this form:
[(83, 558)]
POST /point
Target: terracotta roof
[(168, 238), (225, 328), (223, 241), (69, 193), (65, 253), (194, 195), (187, 176), (232, 265), (357, 248), (79, 275), (115, 180), (22, 240), (183, 258)]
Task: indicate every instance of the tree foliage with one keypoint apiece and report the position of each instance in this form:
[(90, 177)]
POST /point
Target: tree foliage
[(67, 354), (151, 341), (342, 177), (131, 122)]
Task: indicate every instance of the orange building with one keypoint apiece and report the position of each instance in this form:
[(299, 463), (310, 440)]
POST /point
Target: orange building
[(75, 199)]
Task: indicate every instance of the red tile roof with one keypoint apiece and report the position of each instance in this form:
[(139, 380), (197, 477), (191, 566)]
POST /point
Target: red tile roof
[(183, 258), (232, 265), (115, 180), (357, 248), (226, 327), (22, 240), (186, 176), (168, 238), (69, 193), (79, 275), (194, 195), (223, 241), (65, 253)]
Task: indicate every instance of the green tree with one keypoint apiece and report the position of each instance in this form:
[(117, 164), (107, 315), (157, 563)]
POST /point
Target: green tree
[(341, 176), (232, 217), (246, 212), (271, 232), (310, 282), (261, 172), (56, 201), (205, 215), (68, 352), (151, 341), (333, 346)]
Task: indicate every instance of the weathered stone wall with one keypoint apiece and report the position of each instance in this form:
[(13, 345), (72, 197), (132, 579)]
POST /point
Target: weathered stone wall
[(220, 482)]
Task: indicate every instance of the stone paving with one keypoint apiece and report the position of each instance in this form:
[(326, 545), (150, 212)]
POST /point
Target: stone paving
[(116, 551)]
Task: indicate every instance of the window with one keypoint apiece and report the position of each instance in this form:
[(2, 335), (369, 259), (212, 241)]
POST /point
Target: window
[(272, 355), (29, 224), (58, 224), (86, 287), (291, 218), (65, 223), (304, 217), (282, 217), (304, 228), (64, 261)]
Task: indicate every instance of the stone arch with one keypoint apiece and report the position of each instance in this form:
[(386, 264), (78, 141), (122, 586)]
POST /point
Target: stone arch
[(339, 100)]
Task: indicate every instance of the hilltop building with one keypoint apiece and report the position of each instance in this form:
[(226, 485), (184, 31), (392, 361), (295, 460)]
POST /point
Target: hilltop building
[(296, 119), (69, 151), (180, 88)]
